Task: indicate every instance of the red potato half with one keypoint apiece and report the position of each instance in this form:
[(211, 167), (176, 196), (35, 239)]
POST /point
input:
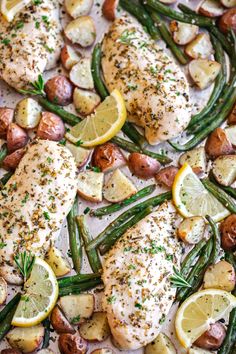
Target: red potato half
[(69, 57), (228, 21), (77, 308), (17, 137), (166, 176), (76, 8), (85, 102), (51, 127), (81, 74), (95, 329), (72, 344), (217, 144), (81, 31), (3, 290), (60, 322), (228, 3), (228, 233), (204, 72), (109, 9), (183, 33), (6, 118), (12, 161), (211, 8), (213, 338), (59, 90), (108, 157), (200, 47), (143, 166)]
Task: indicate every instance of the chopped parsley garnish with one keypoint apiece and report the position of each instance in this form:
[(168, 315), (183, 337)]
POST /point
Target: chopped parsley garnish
[(75, 319), (2, 245), (127, 36), (86, 210), (79, 142), (111, 299), (139, 306), (24, 200), (46, 215), (6, 41)]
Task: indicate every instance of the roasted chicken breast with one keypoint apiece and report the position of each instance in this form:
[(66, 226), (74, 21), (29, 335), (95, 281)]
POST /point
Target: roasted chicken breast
[(155, 89), (136, 274)]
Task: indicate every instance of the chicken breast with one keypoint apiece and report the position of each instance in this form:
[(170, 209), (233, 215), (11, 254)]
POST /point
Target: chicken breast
[(136, 273), (34, 203), (30, 44), (155, 89)]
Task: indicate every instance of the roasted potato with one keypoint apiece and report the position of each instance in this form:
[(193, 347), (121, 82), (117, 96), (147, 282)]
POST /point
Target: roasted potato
[(108, 157), (90, 185), (109, 8), (211, 8), (228, 3), (217, 144), (81, 155), (60, 322), (204, 72), (231, 134), (166, 176), (224, 169), (59, 90), (57, 262), (51, 127), (17, 138), (191, 230), (69, 57), (143, 166), (81, 31), (77, 308), (10, 351), (161, 345), (95, 329), (200, 47), (232, 116), (183, 33), (228, 233), (81, 74), (220, 276), (28, 113), (26, 340), (228, 21), (3, 290), (72, 344), (12, 161), (102, 351), (6, 118), (77, 8), (85, 102), (213, 338), (118, 187), (196, 159)]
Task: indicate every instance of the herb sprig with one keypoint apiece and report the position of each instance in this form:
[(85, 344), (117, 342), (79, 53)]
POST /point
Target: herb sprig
[(25, 262), (37, 87), (178, 281)]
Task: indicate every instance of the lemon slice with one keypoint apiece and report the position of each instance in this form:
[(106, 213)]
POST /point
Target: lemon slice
[(191, 198), (199, 311), (9, 8), (41, 293), (104, 124)]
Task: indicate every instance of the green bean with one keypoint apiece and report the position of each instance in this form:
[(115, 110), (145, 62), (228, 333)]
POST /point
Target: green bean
[(67, 117), (166, 36), (111, 239), (152, 202), (131, 147), (74, 237), (46, 338), (220, 195), (133, 134), (142, 15), (79, 288), (3, 153), (77, 279), (5, 178), (92, 255), (229, 190), (230, 337), (179, 16), (229, 257), (191, 257), (216, 240), (118, 206), (11, 304), (7, 314)]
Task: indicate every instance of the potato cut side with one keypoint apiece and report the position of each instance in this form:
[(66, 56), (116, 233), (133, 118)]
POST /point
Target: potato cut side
[(81, 155), (77, 308), (59, 322), (26, 340), (118, 187), (228, 3), (57, 262), (200, 47), (224, 169), (191, 230), (76, 8), (95, 329), (81, 74), (211, 8), (204, 71), (231, 134), (183, 33), (69, 57), (28, 113), (161, 345), (81, 31), (196, 159), (220, 276), (90, 185), (85, 102), (3, 290)]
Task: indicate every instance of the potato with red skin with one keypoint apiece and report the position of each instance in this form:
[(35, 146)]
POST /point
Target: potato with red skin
[(232, 117), (69, 57), (143, 166), (72, 344), (228, 233), (59, 90), (108, 157), (213, 338), (166, 176), (51, 127), (12, 161), (109, 8), (6, 118), (217, 144), (228, 21), (17, 137), (10, 351), (60, 322)]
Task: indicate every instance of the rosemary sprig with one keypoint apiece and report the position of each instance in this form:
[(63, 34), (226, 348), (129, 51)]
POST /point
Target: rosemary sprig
[(37, 87), (25, 262), (178, 281)]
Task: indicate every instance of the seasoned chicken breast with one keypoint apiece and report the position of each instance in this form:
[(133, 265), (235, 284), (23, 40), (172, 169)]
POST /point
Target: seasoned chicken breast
[(34, 203), (136, 274), (155, 89), (30, 44)]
